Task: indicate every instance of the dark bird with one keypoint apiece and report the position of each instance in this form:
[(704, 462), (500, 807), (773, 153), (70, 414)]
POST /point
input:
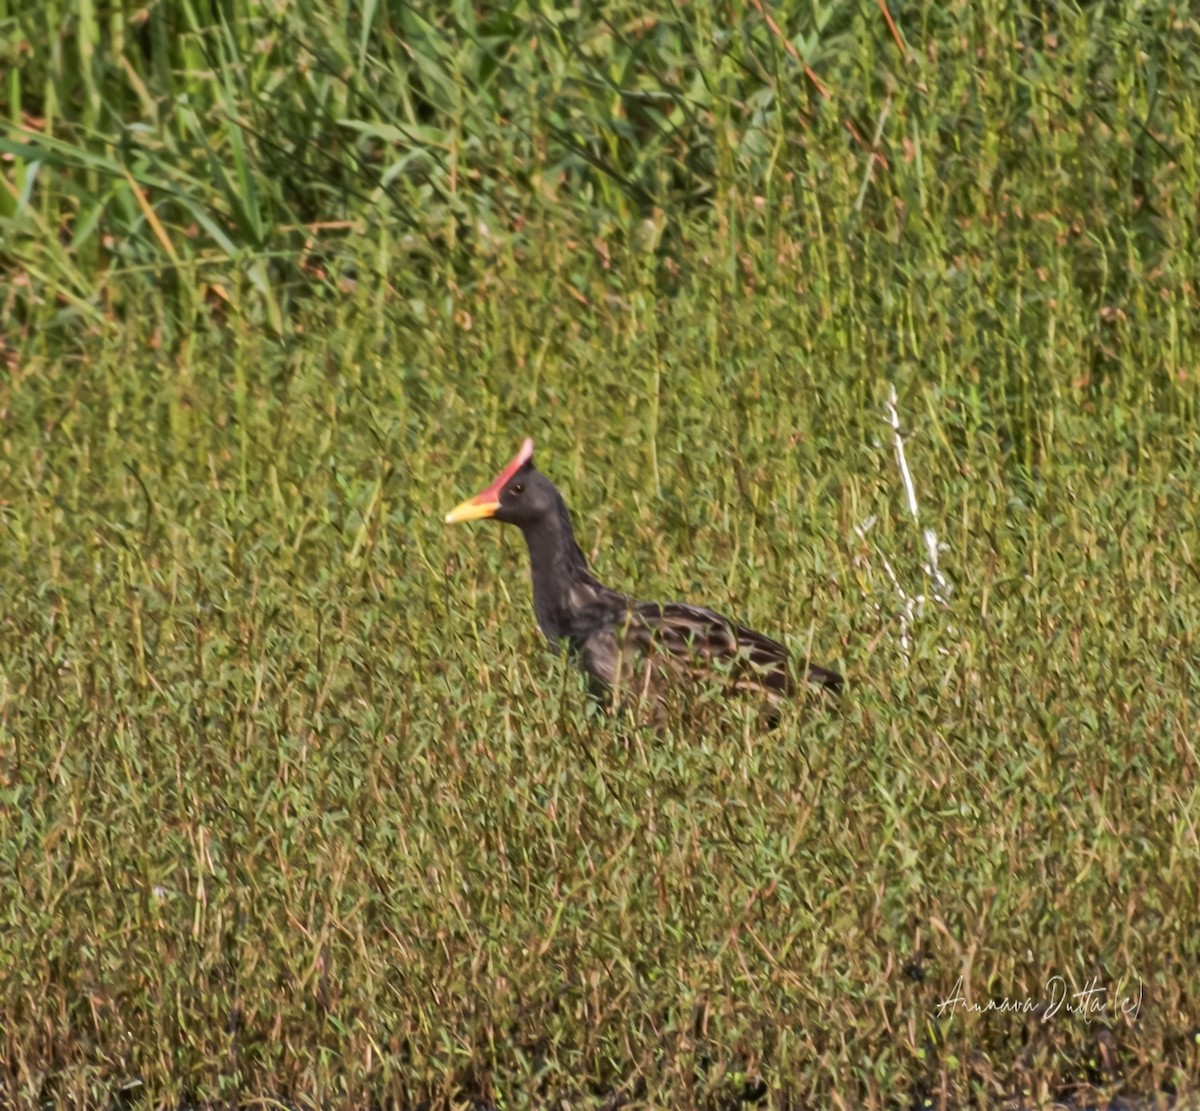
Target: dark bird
[(636, 651)]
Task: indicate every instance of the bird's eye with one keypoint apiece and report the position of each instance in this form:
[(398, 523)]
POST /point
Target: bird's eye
[(518, 488)]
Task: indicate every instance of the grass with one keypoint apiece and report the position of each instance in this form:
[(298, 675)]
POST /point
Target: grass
[(295, 804)]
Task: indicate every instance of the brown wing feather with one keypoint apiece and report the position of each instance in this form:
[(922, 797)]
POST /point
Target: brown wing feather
[(654, 648), (711, 647)]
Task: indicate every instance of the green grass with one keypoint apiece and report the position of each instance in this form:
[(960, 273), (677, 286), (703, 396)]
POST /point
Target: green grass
[(294, 802)]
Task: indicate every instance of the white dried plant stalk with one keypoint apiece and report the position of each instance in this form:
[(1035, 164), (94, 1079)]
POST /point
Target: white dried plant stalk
[(912, 605)]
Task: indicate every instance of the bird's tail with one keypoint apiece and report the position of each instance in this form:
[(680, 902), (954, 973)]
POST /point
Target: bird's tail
[(823, 677)]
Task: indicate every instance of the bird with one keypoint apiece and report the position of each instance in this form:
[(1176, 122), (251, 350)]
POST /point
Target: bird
[(649, 654)]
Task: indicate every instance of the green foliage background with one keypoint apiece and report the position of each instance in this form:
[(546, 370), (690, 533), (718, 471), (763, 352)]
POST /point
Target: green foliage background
[(294, 802)]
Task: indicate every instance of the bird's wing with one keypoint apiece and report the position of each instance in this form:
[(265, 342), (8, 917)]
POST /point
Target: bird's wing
[(644, 652), (708, 645)]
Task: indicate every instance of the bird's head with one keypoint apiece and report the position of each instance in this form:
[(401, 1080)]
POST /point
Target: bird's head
[(520, 494)]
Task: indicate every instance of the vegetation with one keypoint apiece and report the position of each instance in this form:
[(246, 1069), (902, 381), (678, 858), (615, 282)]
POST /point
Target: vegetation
[(294, 803)]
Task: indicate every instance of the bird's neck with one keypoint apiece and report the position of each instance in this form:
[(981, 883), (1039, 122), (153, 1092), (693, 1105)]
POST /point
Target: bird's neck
[(565, 594)]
